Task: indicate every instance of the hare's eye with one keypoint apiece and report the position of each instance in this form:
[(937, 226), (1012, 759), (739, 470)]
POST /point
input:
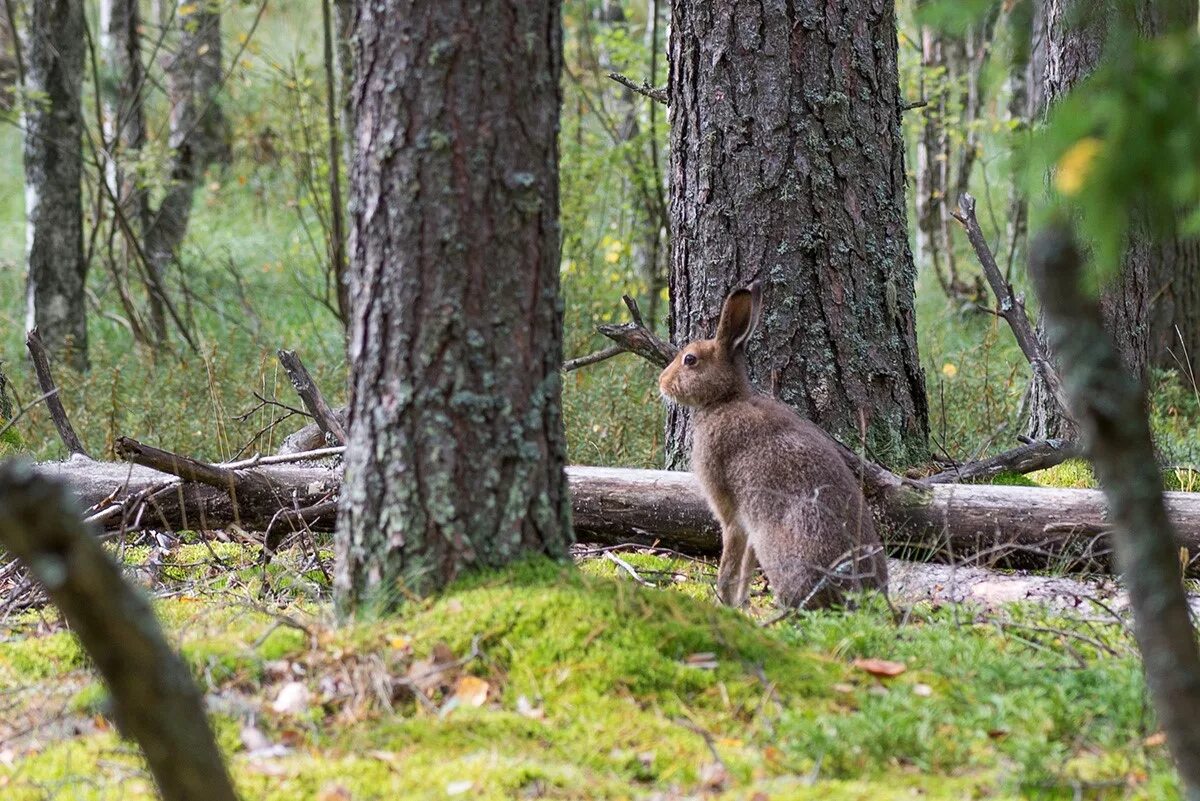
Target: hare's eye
[(689, 359)]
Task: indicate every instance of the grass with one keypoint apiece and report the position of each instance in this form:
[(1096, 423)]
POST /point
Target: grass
[(597, 687)]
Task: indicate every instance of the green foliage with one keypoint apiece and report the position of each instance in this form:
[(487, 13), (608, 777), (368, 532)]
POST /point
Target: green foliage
[(1122, 144)]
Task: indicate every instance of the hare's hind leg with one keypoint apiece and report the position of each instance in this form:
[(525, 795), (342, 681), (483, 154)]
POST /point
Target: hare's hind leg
[(733, 581), (746, 575)]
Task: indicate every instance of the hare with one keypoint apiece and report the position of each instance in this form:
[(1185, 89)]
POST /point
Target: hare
[(775, 481)]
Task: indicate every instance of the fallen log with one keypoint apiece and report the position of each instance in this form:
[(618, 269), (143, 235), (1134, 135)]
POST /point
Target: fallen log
[(988, 525), (122, 496)]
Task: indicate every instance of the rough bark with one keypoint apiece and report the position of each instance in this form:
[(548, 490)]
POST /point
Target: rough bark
[(156, 701), (1156, 291), (1110, 408), (343, 58), (456, 447), (1019, 111), (787, 167), (53, 125)]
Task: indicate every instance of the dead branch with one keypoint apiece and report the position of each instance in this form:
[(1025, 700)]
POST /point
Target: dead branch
[(1110, 407), (644, 88), (1027, 458), (1011, 307), (314, 401), (208, 496), (41, 366), (635, 337), (184, 467), (156, 700), (592, 358)]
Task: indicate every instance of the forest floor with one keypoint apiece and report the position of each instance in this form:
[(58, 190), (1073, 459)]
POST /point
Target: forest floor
[(619, 679)]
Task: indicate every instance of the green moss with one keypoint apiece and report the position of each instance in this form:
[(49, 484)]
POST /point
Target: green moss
[(600, 687), (90, 699), (39, 657)]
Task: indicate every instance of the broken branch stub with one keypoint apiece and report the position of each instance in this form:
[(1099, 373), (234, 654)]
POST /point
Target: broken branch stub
[(156, 700), (1109, 406)]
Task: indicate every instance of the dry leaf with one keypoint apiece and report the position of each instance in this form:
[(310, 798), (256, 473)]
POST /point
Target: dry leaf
[(880, 668), (293, 699), (842, 687), (471, 690), (435, 672), (389, 757), (257, 744), (1155, 740)]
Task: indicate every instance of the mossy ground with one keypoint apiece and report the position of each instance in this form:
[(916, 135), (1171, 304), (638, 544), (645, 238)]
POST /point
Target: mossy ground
[(600, 687)]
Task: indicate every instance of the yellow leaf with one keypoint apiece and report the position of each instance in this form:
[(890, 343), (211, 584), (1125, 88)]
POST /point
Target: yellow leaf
[(188, 9), (1076, 164), (949, 370), (471, 690)]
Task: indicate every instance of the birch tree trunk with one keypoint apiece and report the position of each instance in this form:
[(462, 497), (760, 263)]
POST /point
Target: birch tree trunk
[(53, 125)]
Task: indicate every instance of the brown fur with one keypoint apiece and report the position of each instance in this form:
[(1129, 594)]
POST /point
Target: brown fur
[(775, 481)]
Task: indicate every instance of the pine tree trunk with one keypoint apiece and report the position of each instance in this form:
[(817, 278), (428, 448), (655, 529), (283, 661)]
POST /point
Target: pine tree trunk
[(55, 301), (1157, 289), (787, 166), (456, 448)]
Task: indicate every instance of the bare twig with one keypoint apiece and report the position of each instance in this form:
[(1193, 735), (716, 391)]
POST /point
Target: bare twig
[(1011, 307), (592, 358), (23, 411), (41, 366), (303, 456), (644, 88), (634, 337)]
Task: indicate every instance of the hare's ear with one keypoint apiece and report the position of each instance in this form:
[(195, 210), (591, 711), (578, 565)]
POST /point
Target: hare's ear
[(739, 317)]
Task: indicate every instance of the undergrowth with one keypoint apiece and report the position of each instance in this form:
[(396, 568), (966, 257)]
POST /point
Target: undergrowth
[(557, 682)]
